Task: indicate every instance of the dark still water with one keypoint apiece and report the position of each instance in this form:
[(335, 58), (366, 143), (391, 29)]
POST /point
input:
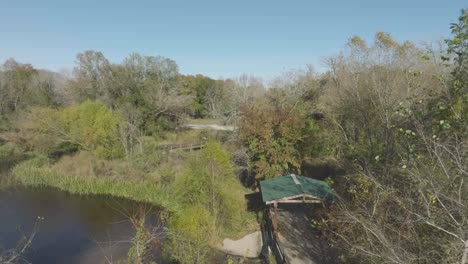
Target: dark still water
[(76, 229)]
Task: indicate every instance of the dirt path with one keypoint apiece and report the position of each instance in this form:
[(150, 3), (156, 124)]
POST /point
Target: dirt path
[(248, 246)]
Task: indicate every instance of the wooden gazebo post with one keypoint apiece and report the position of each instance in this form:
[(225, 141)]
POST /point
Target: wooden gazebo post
[(275, 217)]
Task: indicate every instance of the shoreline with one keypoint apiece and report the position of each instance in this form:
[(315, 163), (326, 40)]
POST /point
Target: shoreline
[(27, 175)]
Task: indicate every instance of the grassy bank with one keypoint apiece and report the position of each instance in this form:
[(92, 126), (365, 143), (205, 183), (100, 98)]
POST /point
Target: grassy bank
[(36, 173)]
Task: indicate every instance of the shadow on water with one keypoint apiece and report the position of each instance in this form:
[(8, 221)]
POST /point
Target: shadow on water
[(76, 229)]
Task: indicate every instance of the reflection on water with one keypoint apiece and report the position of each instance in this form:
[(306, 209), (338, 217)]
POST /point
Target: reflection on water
[(75, 229)]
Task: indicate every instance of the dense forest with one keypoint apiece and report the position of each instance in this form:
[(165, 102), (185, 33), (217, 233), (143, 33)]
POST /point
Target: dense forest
[(389, 117)]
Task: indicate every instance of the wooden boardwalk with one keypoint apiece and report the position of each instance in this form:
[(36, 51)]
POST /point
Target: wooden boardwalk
[(184, 146)]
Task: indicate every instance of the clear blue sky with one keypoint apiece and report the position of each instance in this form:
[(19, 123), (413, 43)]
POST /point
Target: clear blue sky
[(217, 38)]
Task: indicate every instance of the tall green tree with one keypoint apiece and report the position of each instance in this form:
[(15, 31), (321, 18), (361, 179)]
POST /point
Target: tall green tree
[(17, 81), (92, 72), (209, 95)]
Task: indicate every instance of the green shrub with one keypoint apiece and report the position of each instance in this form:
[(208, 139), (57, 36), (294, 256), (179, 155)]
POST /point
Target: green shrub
[(189, 235), (10, 150), (90, 126), (210, 181), (95, 127)]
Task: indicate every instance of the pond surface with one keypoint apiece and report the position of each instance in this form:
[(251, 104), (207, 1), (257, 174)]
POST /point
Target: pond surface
[(75, 229)]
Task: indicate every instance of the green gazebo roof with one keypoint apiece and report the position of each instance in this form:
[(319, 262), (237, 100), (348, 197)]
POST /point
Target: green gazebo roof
[(294, 186)]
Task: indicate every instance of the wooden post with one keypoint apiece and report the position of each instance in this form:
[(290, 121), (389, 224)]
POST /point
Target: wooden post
[(275, 217)]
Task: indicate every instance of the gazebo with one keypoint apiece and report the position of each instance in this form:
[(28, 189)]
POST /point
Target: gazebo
[(294, 189), (291, 189)]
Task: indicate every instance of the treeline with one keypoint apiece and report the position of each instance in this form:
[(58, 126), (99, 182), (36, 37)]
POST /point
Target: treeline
[(151, 86), (147, 96), (21, 85)]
